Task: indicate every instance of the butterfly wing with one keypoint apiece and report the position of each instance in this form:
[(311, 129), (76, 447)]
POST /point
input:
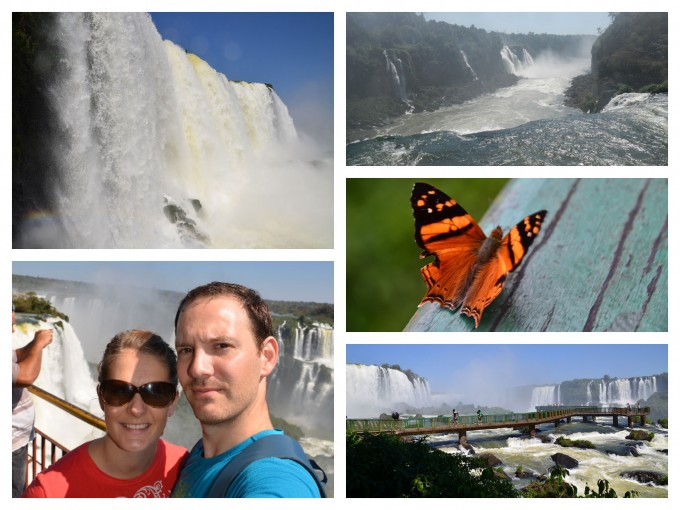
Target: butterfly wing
[(489, 278), (516, 242), (444, 229)]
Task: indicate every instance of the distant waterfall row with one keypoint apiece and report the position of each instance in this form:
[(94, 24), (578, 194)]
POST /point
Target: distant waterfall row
[(598, 392), (372, 390)]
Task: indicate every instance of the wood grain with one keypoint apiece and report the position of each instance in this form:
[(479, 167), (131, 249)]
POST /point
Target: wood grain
[(599, 264)]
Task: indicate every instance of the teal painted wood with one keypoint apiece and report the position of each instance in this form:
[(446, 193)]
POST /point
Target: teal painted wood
[(600, 262)]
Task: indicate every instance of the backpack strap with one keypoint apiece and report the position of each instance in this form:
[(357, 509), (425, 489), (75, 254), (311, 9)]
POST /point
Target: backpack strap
[(275, 445)]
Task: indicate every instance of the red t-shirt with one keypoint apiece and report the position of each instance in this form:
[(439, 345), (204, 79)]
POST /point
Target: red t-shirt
[(77, 476)]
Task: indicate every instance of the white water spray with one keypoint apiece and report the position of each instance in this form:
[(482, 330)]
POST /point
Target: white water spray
[(397, 74), (64, 373), (472, 71), (372, 389), (143, 124)]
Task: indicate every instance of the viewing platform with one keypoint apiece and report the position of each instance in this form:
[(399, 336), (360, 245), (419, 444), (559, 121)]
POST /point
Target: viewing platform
[(465, 424)]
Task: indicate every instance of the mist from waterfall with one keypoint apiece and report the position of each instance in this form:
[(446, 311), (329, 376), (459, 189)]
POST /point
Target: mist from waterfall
[(372, 390), (155, 149), (64, 373)]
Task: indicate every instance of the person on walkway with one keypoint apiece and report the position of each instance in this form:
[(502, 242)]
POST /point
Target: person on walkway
[(138, 393), (26, 365)]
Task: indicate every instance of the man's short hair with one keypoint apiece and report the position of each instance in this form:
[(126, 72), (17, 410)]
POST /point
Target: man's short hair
[(257, 310)]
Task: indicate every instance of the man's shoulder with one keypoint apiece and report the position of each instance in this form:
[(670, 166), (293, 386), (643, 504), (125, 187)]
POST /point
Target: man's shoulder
[(274, 477)]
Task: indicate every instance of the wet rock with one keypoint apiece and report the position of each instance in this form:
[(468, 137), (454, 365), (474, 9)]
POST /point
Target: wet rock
[(491, 459), (647, 477), (640, 435), (633, 451), (499, 473), (564, 461)]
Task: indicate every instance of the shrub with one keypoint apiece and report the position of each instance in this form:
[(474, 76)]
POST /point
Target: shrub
[(33, 304)]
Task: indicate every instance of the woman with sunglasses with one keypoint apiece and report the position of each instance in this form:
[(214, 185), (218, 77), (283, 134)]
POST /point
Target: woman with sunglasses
[(137, 392)]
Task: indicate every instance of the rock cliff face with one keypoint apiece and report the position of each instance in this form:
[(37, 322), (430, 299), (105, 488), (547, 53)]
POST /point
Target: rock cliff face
[(398, 62), (630, 56)]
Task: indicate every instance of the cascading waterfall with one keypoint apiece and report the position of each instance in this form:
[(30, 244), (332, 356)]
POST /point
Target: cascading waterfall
[(513, 64), (472, 71), (623, 391), (548, 395), (157, 149), (397, 74), (64, 373), (301, 388), (372, 390), (612, 392), (313, 343)]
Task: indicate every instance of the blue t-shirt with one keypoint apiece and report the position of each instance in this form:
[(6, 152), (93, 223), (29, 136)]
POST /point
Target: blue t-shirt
[(263, 478)]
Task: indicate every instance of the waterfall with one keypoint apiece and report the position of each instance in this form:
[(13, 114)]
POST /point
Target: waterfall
[(372, 390), (397, 75), (64, 373), (589, 393), (155, 149), (513, 64), (313, 343), (301, 389), (623, 391), (544, 396), (465, 59)]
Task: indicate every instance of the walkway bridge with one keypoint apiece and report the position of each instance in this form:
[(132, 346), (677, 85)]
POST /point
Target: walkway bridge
[(465, 424)]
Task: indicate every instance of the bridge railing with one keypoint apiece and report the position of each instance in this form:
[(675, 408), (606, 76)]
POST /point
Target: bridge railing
[(597, 409), (447, 422)]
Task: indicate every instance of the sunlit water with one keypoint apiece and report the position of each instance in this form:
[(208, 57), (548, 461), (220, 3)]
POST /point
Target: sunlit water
[(526, 124), (608, 461), (140, 124)]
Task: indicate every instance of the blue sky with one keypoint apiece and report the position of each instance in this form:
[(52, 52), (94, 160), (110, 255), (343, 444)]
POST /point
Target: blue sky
[(289, 281), (449, 368), (292, 51), (525, 22)]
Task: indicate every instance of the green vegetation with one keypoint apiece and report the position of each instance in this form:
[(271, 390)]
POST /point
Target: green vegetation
[(412, 376), (432, 59), (631, 55), (288, 428), (31, 303), (384, 284), (640, 435), (557, 487), (663, 422), (384, 466), (577, 443), (303, 312)]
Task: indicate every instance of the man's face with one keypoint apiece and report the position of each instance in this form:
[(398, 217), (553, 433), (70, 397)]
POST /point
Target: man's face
[(220, 367)]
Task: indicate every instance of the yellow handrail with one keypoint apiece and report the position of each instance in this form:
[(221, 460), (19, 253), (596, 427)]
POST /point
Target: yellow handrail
[(88, 418)]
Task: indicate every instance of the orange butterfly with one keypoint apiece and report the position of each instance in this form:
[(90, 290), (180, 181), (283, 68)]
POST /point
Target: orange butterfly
[(469, 268)]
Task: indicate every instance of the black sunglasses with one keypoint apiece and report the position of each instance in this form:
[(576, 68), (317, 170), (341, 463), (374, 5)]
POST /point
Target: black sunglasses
[(155, 394)]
